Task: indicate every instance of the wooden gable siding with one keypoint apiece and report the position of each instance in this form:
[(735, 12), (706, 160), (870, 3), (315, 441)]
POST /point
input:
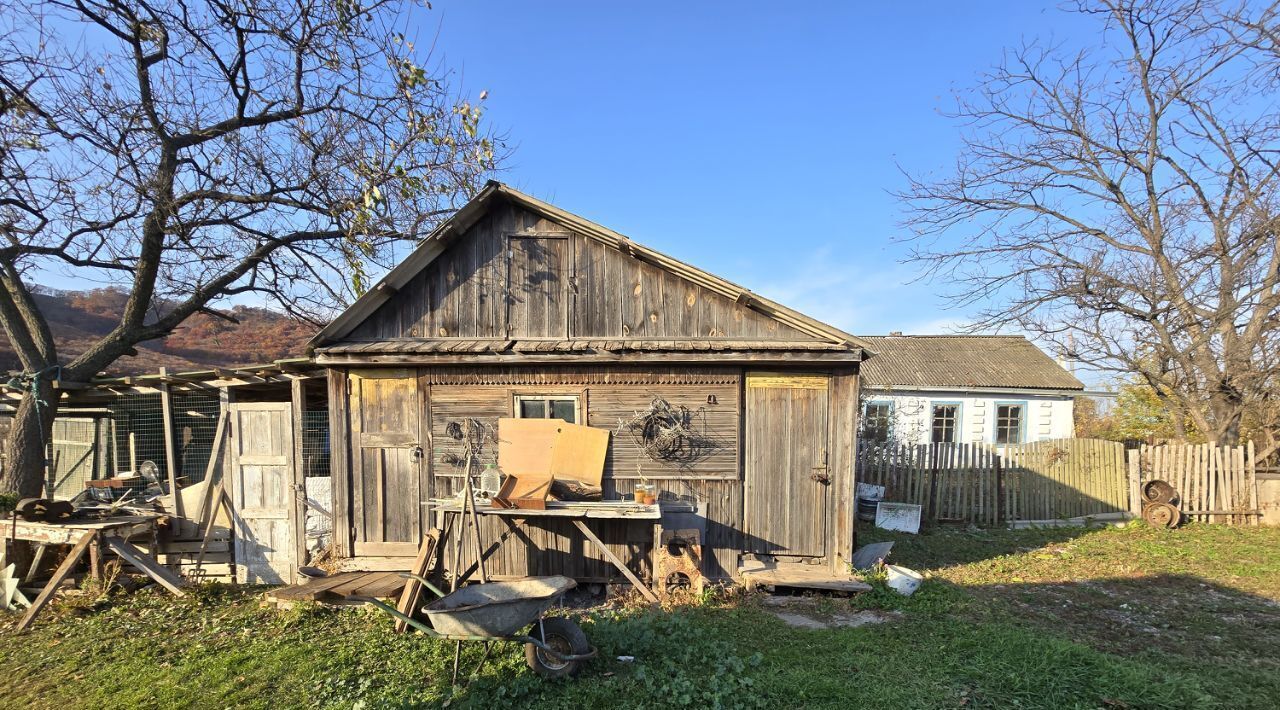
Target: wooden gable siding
[(515, 274)]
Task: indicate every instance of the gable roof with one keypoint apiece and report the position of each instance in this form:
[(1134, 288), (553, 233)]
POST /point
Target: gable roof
[(932, 361), (440, 238)]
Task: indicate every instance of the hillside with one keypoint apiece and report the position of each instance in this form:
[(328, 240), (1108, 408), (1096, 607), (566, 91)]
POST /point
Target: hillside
[(79, 318)]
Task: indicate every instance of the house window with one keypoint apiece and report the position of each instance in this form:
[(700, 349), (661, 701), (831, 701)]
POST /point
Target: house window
[(1008, 423), (547, 407), (946, 418), (877, 419)]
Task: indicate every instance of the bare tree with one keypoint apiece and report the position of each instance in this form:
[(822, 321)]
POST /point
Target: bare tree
[(193, 151), (1119, 201)]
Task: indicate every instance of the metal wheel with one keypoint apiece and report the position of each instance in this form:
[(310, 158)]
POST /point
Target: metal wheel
[(1161, 515), (1159, 492), (564, 637), (678, 582)]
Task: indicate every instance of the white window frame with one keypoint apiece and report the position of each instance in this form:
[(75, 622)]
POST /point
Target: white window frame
[(547, 399)]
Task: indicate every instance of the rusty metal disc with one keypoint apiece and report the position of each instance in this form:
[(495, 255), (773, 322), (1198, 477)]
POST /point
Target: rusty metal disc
[(1159, 492), (1161, 515)]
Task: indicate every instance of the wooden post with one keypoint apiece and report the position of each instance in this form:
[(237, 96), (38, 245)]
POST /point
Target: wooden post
[(170, 455), (298, 511), (1135, 482), (999, 474)]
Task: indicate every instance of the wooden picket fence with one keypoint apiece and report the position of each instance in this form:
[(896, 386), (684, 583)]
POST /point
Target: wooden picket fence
[(1057, 479), (1217, 484)]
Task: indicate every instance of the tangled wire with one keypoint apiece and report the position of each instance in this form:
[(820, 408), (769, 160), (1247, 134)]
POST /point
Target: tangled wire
[(668, 433)]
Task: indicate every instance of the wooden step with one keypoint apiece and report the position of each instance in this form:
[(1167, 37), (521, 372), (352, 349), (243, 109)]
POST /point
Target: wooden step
[(802, 577)]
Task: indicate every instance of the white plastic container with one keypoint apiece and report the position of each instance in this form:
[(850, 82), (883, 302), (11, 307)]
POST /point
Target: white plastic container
[(902, 580)]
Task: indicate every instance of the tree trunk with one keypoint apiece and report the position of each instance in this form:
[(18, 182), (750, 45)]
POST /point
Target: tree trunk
[(28, 442)]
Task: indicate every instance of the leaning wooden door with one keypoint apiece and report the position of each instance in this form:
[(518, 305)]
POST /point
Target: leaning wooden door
[(262, 492), (786, 473), (387, 490)]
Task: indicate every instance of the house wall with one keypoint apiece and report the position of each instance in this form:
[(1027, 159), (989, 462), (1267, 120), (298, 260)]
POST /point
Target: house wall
[(710, 488), (1048, 416)]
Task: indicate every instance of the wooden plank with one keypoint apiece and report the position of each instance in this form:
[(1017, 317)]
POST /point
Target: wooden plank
[(798, 576), (59, 575), (428, 552), (170, 459), (526, 446), (578, 454), (617, 563), (298, 511), (147, 565), (339, 462)]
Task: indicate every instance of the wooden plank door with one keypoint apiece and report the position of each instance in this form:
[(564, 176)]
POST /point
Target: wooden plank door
[(387, 486), (786, 464), (262, 493), (537, 287)]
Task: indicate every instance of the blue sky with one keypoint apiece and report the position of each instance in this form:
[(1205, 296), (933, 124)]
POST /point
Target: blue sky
[(759, 141)]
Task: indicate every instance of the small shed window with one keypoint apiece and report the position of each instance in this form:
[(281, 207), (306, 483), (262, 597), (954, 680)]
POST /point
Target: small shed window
[(946, 418), (548, 407), (1008, 423), (876, 421)]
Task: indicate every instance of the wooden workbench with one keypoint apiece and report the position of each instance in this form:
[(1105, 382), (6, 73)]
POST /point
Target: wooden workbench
[(90, 536), (578, 514)]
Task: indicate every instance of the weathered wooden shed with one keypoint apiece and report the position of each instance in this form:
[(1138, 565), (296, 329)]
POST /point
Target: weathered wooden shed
[(513, 308)]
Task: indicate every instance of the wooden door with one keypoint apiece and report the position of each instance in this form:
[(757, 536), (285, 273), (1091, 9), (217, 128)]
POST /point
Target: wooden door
[(786, 464), (262, 493), (387, 463), (537, 293)]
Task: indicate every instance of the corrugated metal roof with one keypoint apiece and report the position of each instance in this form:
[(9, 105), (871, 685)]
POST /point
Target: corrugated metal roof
[(962, 361)]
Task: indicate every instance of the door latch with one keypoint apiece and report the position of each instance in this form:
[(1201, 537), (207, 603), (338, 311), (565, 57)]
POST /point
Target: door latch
[(820, 475)]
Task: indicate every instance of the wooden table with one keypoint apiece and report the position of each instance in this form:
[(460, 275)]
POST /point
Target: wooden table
[(578, 514), (89, 536)]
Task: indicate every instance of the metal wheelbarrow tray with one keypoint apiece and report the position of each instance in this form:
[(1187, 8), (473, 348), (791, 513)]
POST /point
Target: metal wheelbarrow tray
[(499, 611), (495, 609)]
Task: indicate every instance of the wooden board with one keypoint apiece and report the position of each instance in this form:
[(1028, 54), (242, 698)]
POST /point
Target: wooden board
[(579, 454), (340, 587), (526, 446), (804, 577), (427, 553)]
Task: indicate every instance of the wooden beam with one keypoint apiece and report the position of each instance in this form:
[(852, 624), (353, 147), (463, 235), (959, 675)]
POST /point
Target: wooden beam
[(613, 559), (298, 511), (531, 358), (148, 565), (63, 571), (170, 455)]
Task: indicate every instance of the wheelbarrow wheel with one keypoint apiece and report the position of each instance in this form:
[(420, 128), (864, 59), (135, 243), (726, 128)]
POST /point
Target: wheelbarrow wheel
[(565, 637)]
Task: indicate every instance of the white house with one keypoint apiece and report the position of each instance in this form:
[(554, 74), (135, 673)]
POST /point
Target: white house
[(996, 389)]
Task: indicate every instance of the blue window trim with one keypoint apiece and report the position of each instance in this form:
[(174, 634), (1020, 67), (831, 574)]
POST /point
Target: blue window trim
[(892, 411), (1022, 421), (959, 405)]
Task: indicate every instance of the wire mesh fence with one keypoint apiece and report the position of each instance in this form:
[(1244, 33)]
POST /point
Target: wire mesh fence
[(129, 432), (315, 443)]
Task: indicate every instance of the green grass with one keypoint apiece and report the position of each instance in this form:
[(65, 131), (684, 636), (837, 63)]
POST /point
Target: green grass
[(1056, 618)]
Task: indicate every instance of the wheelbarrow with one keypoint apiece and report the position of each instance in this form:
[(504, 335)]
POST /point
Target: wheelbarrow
[(554, 647)]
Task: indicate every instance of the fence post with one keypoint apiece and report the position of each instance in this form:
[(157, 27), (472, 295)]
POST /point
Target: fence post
[(999, 468), (1135, 477), (933, 482)]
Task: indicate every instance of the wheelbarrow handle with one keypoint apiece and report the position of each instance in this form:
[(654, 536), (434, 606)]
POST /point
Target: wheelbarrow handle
[(402, 617), (434, 589)]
